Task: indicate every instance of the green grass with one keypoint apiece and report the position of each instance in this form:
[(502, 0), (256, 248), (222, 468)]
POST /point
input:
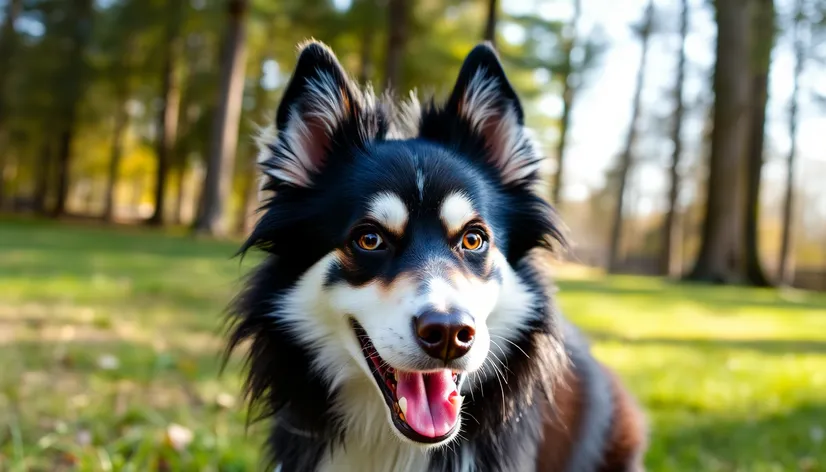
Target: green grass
[(111, 337)]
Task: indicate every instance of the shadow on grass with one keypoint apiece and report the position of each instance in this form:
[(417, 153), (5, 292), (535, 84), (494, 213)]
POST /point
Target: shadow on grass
[(768, 346), (792, 440), (712, 297), (64, 407)]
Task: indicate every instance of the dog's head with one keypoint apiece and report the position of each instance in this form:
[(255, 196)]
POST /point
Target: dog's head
[(395, 237)]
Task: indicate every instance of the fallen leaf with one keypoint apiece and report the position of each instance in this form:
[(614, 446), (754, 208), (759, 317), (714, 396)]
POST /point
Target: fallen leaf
[(83, 438), (225, 401), (179, 437), (108, 362)]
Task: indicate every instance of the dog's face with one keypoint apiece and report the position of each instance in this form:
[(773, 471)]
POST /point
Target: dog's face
[(396, 235)]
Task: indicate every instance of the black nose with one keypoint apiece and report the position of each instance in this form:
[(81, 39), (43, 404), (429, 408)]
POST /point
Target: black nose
[(445, 336)]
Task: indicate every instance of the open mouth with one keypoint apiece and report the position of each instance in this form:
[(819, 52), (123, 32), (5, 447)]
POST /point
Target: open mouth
[(424, 406)]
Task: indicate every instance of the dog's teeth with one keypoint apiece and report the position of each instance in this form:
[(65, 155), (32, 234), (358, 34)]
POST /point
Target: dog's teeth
[(395, 376), (403, 405)]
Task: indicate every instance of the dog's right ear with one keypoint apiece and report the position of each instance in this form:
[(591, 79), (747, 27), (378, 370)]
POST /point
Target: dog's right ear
[(318, 100)]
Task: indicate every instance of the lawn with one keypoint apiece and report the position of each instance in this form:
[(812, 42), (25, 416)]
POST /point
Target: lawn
[(110, 355)]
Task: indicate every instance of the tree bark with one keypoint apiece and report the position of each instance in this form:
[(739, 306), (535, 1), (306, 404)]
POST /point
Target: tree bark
[(786, 262), (671, 258), (763, 44), (249, 190), (218, 181), (569, 90), (121, 123), (178, 216), (397, 13), (7, 46), (168, 116), (42, 174), (721, 254), (73, 79), (490, 24), (368, 34), (614, 259)]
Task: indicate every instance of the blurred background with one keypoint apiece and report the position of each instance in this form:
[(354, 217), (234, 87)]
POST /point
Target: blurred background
[(685, 143)]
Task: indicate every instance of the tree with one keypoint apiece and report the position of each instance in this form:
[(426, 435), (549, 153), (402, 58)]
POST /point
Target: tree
[(7, 45), (41, 185), (170, 105), (569, 88), (249, 189), (763, 21), (490, 23), (365, 11), (720, 258), (630, 141), (71, 83), (218, 182), (672, 229), (121, 124), (397, 19), (786, 262)]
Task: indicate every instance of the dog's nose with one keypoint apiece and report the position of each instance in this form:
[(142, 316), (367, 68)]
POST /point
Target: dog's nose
[(445, 336)]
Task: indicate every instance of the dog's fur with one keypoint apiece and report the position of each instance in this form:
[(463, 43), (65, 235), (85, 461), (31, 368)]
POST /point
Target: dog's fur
[(535, 398)]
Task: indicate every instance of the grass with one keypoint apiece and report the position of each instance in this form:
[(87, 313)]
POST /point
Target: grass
[(110, 350)]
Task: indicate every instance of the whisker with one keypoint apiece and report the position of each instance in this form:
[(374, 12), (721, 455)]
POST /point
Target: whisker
[(501, 388), (512, 343), (504, 365)]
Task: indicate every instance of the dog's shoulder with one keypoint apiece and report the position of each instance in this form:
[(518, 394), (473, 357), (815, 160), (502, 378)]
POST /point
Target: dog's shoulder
[(592, 422)]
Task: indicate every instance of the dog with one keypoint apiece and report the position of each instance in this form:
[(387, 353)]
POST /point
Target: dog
[(401, 319)]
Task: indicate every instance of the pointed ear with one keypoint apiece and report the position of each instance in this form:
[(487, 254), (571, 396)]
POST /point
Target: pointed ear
[(317, 102), (483, 108)]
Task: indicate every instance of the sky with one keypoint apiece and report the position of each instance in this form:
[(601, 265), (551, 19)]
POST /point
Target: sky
[(603, 108), (601, 115)]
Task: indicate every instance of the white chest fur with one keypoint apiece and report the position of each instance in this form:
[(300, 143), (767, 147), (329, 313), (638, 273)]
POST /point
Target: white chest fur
[(389, 455), (371, 444)]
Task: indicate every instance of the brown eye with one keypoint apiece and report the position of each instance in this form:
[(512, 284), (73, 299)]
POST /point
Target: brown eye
[(369, 241), (472, 240)]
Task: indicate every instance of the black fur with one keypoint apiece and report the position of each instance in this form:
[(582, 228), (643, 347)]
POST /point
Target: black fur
[(301, 224)]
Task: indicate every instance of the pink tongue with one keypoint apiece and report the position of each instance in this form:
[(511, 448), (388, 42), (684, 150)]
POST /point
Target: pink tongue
[(432, 401)]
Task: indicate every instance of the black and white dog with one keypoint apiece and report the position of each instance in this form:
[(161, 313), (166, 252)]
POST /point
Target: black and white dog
[(400, 321)]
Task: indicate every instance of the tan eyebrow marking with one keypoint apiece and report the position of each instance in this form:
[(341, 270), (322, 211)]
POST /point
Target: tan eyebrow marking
[(389, 211), (456, 211)]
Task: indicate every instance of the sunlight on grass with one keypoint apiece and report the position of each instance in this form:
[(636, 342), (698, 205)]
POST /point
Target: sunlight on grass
[(110, 341)]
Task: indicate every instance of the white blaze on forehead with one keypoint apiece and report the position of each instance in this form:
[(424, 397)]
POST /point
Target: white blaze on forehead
[(389, 210), (456, 211)]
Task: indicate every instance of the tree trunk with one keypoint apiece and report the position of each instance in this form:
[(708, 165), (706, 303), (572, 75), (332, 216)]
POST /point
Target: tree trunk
[(7, 46), (568, 92), (168, 116), (763, 21), (42, 174), (721, 255), (249, 190), (614, 259), (490, 25), (121, 123), (397, 13), (178, 216), (218, 181), (248, 195), (72, 80), (786, 262), (671, 258), (367, 37)]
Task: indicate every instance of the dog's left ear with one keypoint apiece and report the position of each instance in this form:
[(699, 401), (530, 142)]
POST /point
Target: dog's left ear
[(320, 108), (484, 108)]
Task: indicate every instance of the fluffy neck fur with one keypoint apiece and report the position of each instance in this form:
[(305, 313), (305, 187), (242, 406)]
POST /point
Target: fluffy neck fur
[(313, 426)]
